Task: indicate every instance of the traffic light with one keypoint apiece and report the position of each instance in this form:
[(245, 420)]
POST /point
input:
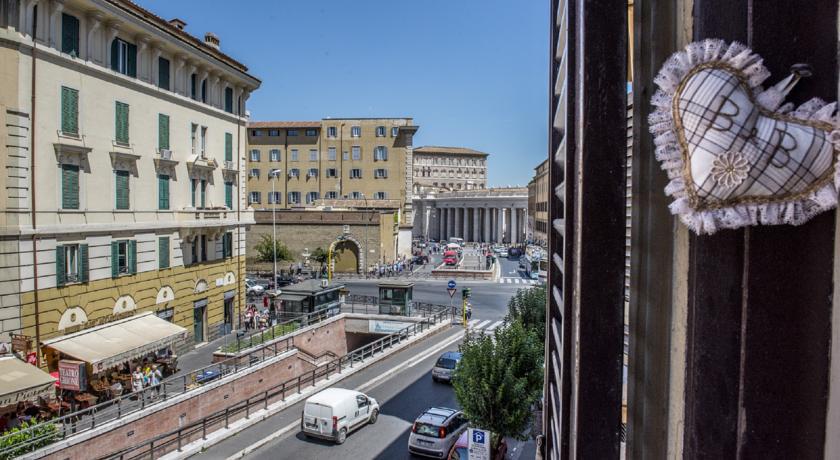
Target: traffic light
[(467, 293)]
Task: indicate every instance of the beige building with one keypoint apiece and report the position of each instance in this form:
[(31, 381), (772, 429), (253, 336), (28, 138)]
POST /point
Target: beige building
[(538, 205), (122, 187), (442, 169), (334, 162)]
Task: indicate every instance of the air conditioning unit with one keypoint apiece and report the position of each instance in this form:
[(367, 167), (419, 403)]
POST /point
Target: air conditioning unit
[(165, 154)]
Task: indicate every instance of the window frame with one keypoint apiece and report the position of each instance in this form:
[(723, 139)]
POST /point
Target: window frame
[(380, 131), (313, 154), (255, 153), (252, 194), (355, 173), (332, 132), (274, 155), (355, 131), (291, 133), (311, 132), (356, 153)]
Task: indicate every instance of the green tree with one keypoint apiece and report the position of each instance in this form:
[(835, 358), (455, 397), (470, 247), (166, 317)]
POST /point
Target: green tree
[(319, 255), (498, 379), (528, 306), (267, 247)]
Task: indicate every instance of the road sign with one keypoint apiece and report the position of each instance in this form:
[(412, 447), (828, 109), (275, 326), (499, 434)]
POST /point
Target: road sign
[(451, 284), (451, 292), (479, 446)]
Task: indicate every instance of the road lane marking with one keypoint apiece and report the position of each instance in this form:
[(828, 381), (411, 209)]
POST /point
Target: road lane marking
[(494, 325), (482, 324)]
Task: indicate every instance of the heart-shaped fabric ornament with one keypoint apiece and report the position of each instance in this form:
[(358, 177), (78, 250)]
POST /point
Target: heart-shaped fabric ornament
[(736, 156)]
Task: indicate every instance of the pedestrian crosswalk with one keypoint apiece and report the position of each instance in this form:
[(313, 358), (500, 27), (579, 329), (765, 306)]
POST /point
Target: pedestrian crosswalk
[(487, 325), (511, 280)]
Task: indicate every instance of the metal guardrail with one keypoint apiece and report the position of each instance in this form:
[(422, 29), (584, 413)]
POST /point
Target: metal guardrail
[(176, 439), (116, 408)]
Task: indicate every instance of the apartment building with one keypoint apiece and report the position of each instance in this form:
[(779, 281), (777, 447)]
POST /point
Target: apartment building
[(538, 205), (293, 164), (441, 169), (123, 178)]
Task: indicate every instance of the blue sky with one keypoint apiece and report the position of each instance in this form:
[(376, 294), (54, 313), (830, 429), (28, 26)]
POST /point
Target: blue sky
[(472, 73)]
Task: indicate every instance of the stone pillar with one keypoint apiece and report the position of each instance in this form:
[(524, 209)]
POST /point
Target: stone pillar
[(500, 225), (440, 217), (458, 223), (450, 224), (486, 238), (514, 226), (55, 24), (476, 235), (94, 21)]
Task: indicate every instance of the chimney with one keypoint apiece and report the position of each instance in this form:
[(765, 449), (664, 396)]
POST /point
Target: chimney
[(211, 39), (179, 24)]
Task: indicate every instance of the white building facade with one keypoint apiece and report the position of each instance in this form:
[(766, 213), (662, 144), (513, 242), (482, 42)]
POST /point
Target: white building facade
[(443, 169), (123, 185), (496, 215)]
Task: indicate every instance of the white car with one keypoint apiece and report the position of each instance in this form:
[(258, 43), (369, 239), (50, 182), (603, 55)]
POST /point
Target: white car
[(335, 412), (252, 288)]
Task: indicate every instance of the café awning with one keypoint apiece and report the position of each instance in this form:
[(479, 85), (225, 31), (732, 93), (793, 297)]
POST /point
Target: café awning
[(20, 381), (111, 344)]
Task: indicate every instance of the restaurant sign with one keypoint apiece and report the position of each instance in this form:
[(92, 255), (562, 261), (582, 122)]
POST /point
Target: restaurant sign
[(21, 343), (72, 375)]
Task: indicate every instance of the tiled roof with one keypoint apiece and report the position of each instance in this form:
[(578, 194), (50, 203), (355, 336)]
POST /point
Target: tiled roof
[(284, 124), (163, 24), (448, 150)]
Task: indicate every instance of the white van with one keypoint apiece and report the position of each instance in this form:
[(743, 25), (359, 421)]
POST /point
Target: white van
[(335, 412)]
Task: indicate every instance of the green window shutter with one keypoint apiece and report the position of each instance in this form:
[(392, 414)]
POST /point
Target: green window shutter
[(83, 263), (69, 186), (59, 266), (121, 122), (229, 100), (163, 191), (132, 60), (163, 131), (69, 34), (229, 195), (192, 191), (69, 111), (163, 73), (163, 252), (115, 55), (228, 147), (203, 193), (115, 259), (122, 197), (132, 256)]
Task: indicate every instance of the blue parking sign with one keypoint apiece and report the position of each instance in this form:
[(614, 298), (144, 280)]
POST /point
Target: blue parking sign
[(451, 284), (479, 444), (478, 437)]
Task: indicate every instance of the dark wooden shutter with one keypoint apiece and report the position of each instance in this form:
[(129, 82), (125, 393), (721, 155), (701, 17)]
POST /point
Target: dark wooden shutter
[(69, 186), (203, 193), (121, 122), (163, 73), (69, 111), (163, 252), (163, 191), (60, 278), (122, 192), (84, 266), (115, 259), (228, 147), (115, 55), (132, 60), (69, 35), (229, 195), (229, 100), (192, 191), (132, 256), (163, 131)]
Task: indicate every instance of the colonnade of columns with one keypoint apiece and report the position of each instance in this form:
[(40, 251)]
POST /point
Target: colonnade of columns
[(480, 224)]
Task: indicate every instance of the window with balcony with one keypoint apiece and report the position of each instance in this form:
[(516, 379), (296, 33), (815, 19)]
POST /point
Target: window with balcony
[(274, 155), (355, 173), (356, 131)]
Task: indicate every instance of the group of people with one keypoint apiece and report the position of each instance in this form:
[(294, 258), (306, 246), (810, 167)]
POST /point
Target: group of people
[(395, 268), (146, 376), (260, 319)]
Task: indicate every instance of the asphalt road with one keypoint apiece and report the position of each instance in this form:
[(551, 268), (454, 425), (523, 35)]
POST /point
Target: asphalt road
[(402, 397)]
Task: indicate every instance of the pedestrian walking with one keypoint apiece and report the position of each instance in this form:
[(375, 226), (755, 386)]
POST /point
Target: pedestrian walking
[(154, 377), (137, 381)]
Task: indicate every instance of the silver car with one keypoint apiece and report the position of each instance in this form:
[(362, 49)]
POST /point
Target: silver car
[(435, 432)]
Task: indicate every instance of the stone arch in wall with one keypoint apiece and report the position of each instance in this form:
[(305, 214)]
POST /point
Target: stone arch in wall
[(124, 304), (347, 256), (230, 278), (165, 294), (200, 286), (73, 316)]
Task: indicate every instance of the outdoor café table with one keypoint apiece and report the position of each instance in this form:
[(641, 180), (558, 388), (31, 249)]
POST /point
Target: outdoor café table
[(86, 399), (56, 406)]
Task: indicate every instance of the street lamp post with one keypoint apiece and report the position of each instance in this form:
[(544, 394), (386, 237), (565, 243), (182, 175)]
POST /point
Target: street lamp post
[(367, 220)]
